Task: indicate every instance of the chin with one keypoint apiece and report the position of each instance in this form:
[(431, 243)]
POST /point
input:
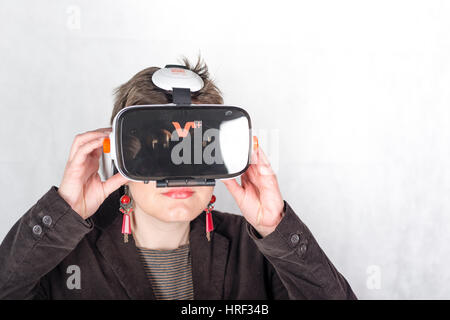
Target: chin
[(180, 210)]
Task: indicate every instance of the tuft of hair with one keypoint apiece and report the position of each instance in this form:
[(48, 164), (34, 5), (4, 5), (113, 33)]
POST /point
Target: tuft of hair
[(141, 90)]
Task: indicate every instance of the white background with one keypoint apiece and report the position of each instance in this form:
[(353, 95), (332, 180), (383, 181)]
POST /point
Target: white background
[(357, 93)]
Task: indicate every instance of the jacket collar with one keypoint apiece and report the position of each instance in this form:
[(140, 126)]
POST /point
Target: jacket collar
[(209, 259)]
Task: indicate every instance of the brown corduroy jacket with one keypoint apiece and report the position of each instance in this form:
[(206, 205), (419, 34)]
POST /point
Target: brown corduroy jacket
[(51, 242)]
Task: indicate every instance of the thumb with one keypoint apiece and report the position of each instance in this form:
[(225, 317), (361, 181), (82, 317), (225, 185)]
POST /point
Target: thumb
[(235, 189), (113, 183)]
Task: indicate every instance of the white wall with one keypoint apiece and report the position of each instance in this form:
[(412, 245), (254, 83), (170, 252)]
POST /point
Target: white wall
[(358, 92)]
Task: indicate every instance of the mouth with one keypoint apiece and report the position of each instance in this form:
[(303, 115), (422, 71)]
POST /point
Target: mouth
[(179, 193)]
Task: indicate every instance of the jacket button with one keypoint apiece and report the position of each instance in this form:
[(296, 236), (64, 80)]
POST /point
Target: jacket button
[(37, 230), (295, 239), (303, 248), (47, 220)]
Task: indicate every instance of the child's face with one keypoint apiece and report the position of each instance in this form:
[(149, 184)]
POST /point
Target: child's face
[(179, 207)]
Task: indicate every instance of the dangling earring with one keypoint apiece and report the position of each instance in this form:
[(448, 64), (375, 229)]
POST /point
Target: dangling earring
[(126, 207), (209, 221)]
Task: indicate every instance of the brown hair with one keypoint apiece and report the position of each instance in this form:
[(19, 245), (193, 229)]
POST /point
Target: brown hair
[(141, 90)]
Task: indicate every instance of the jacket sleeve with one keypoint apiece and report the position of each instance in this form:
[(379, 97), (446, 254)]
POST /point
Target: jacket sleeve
[(299, 262), (37, 243)]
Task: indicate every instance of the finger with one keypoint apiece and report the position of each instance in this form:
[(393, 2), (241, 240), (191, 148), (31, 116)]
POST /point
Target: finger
[(87, 148), (267, 180), (113, 183), (263, 165), (245, 181), (97, 153), (235, 188), (262, 181), (83, 138), (254, 156), (262, 157), (249, 185), (253, 174)]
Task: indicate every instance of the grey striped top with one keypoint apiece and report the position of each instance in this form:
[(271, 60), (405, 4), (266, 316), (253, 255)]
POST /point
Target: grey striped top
[(169, 272)]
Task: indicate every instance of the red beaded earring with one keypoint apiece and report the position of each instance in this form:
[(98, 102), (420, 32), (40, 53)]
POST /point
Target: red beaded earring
[(209, 221), (126, 207)]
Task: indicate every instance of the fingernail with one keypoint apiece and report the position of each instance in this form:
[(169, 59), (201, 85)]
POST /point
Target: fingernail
[(255, 143)]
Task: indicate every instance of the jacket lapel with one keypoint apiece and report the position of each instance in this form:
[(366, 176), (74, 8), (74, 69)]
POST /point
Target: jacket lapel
[(122, 257), (209, 259)]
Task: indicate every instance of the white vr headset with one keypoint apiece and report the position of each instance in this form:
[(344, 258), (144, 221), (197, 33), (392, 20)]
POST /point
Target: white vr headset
[(178, 144)]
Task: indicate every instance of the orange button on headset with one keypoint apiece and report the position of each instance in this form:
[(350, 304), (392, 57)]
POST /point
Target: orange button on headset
[(106, 145)]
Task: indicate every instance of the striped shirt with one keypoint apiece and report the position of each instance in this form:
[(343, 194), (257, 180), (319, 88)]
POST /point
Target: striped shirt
[(169, 272)]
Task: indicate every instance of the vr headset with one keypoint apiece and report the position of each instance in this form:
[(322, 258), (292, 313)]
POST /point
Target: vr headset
[(180, 143)]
